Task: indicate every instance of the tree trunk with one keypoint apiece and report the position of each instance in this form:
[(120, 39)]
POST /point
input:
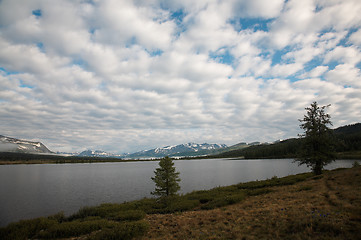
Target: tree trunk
[(317, 170)]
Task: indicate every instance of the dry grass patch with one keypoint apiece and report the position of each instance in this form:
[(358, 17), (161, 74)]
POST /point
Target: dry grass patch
[(305, 210)]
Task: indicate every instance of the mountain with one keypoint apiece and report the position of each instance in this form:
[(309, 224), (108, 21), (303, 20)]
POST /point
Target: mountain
[(8, 144), (96, 153), (188, 149)]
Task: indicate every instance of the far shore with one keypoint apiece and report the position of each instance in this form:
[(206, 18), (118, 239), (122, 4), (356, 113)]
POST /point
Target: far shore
[(7, 158)]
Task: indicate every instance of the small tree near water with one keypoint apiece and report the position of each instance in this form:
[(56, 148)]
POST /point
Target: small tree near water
[(317, 146), (166, 179)]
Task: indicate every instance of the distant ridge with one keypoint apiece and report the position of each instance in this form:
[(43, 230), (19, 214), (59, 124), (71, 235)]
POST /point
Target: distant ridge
[(182, 150), (347, 143), (8, 144)]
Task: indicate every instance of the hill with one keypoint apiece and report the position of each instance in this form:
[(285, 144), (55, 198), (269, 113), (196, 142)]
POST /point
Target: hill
[(325, 207), (347, 143)]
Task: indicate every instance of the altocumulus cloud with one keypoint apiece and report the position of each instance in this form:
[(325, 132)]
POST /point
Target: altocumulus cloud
[(129, 75)]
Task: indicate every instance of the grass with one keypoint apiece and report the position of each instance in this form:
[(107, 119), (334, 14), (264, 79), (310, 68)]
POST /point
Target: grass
[(301, 206)]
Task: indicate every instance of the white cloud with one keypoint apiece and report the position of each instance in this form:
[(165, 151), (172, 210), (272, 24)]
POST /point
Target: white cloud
[(345, 75), (122, 22), (129, 75), (338, 14), (349, 55), (355, 38), (317, 71)]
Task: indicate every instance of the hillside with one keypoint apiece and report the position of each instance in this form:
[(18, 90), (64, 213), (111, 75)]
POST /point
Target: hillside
[(347, 144), (325, 207)]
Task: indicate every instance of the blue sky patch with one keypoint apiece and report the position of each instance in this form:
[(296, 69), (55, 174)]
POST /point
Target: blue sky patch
[(156, 52), (79, 62), (38, 13), (178, 16), (40, 46), (344, 41), (255, 24), (24, 85), (7, 73), (332, 65), (278, 56), (222, 56), (315, 62), (358, 65)]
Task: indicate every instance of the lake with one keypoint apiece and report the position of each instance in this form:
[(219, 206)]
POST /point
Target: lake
[(29, 191)]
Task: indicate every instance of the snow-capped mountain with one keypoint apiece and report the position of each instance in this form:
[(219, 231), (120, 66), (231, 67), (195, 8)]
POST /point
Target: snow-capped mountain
[(8, 144), (188, 149), (96, 153)]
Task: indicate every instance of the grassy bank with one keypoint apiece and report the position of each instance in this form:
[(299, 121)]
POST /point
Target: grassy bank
[(300, 206)]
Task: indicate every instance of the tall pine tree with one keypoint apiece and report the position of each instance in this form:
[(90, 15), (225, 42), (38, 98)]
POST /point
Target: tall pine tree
[(317, 143), (166, 178)]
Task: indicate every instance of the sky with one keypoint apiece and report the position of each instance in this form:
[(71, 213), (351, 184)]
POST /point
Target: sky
[(123, 76)]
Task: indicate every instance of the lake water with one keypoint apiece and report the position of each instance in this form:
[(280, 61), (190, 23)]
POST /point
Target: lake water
[(29, 191)]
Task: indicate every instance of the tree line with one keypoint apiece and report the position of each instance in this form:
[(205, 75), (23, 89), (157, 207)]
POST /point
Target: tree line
[(344, 139)]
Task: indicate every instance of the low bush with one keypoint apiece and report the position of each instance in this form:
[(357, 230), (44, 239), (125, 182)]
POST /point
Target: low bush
[(130, 215), (289, 180), (124, 231), (222, 201), (25, 229), (74, 228), (202, 196), (258, 191), (103, 210), (180, 205)]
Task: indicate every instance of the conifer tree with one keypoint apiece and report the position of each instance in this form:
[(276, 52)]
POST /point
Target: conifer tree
[(166, 178), (317, 144)]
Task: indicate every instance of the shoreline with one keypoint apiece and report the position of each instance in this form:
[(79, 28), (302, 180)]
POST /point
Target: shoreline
[(304, 206)]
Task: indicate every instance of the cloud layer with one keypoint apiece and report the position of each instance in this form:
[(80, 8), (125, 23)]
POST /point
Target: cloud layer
[(128, 75)]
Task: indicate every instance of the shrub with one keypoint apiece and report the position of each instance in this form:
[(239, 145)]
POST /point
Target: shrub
[(181, 205), (355, 164), (107, 210), (124, 231), (130, 215), (288, 180), (201, 196), (25, 229), (260, 191), (74, 228), (224, 201)]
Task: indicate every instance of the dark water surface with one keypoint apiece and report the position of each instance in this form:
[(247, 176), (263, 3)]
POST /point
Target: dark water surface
[(29, 191)]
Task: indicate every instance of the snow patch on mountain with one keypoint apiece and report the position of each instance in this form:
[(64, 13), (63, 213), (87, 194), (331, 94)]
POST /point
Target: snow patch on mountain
[(96, 153), (8, 144)]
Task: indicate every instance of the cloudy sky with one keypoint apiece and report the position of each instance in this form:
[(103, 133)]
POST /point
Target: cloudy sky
[(123, 76)]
